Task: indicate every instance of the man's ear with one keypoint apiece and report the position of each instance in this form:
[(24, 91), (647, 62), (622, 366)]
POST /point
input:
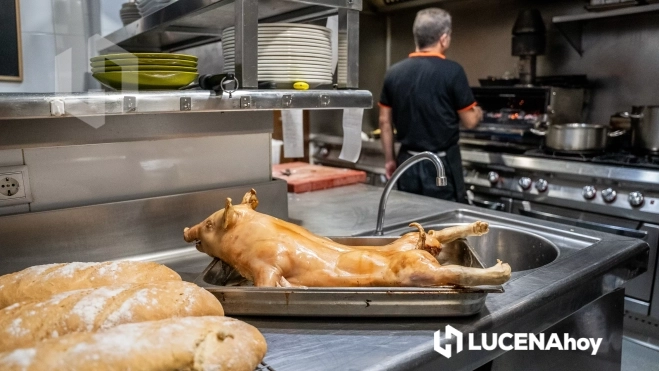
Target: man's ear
[(229, 218), (250, 199)]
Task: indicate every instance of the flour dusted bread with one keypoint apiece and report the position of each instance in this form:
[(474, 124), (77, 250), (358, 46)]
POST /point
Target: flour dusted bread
[(192, 343), (42, 281), (23, 324)]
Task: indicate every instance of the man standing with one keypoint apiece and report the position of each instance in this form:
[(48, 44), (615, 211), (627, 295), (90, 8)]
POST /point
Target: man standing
[(425, 97)]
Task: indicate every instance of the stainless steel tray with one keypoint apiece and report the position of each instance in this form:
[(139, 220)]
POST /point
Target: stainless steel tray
[(240, 298)]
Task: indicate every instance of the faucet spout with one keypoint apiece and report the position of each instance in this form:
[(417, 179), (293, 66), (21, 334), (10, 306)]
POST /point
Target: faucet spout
[(441, 181)]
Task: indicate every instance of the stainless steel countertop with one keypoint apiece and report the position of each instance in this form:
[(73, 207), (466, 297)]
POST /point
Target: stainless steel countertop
[(531, 303)]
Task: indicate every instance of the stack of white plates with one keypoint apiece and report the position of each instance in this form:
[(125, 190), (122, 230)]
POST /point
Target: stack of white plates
[(147, 7), (287, 53)]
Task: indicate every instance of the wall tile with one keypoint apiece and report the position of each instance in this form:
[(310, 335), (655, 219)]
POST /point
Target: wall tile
[(72, 63), (83, 175), (68, 17), (36, 16), (11, 157), (38, 65)]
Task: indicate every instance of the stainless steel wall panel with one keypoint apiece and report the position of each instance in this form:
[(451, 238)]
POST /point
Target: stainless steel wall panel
[(71, 176), (619, 53), (70, 130), (121, 229)]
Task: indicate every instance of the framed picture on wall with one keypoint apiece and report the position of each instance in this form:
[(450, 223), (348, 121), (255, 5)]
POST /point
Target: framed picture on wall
[(11, 63)]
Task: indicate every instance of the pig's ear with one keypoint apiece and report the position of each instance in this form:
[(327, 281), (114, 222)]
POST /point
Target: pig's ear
[(250, 199), (229, 218)]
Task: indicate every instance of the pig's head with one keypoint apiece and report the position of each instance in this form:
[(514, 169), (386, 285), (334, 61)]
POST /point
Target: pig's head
[(209, 232)]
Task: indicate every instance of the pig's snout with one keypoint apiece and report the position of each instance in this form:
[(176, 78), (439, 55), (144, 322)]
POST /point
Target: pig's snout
[(191, 234)]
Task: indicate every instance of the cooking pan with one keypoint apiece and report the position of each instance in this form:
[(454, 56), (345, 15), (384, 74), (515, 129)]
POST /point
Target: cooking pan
[(645, 126), (577, 137)]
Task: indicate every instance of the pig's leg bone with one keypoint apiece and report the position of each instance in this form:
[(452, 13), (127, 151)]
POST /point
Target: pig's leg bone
[(464, 276), (451, 234), (421, 243), (267, 277)]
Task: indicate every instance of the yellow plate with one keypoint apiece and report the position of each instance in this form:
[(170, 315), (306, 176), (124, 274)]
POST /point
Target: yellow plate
[(145, 80), (145, 67), (144, 55), (136, 62)]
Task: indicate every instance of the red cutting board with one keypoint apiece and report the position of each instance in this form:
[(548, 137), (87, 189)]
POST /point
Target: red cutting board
[(303, 177)]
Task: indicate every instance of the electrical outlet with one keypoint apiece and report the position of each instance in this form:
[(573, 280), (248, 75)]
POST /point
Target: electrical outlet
[(14, 186)]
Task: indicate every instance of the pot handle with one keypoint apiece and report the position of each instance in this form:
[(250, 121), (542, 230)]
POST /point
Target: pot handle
[(616, 133), (628, 115), (538, 131)]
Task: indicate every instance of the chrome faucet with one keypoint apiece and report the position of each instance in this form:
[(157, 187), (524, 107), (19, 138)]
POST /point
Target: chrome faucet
[(441, 181)]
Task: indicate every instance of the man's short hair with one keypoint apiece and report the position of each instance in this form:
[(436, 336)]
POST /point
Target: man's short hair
[(429, 25)]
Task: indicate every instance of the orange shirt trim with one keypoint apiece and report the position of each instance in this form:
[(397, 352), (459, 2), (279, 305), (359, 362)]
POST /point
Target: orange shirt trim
[(468, 107), (383, 105), (427, 54)]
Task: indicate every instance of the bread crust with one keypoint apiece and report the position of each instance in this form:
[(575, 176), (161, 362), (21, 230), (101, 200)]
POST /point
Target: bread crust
[(192, 343), (23, 324), (40, 282)]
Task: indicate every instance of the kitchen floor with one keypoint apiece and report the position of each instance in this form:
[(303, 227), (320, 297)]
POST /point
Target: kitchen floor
[(636, 357)]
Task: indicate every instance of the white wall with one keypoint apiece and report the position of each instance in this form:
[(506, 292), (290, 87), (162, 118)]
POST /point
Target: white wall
[(50, 28)]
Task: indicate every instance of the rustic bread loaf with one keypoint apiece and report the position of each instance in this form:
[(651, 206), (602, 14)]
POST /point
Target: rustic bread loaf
[(43, 281), (23, 324), (191, 343)]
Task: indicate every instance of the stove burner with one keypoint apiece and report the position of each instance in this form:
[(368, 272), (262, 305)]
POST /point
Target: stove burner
[(628, 159), (625, 159)]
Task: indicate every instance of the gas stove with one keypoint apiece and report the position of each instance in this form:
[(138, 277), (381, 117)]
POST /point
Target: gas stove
[(618, 184), (611, 192)]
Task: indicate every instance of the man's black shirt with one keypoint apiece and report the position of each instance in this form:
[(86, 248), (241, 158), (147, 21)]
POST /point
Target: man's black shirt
[(425, 93)]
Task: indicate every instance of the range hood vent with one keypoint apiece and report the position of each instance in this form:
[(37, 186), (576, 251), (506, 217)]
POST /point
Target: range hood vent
[(391, 5)]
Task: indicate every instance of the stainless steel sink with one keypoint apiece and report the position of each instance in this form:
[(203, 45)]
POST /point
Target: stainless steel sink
[(524, 246), (522, 250)]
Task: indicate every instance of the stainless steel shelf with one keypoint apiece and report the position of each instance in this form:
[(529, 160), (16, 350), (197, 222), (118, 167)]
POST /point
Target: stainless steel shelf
[(571, 26), (189, 23), (195, 22), (14, 106)]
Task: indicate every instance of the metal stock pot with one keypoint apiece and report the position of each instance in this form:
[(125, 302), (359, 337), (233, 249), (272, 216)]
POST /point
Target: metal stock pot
[(645, 125), (577, 137)]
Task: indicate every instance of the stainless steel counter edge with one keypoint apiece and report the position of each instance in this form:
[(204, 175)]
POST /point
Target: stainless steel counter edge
[(31, 105)]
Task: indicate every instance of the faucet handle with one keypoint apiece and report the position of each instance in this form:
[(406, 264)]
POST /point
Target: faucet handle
[(441, 181)]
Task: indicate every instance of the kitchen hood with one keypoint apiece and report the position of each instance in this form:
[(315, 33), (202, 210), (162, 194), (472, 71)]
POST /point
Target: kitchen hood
[(392, 5)]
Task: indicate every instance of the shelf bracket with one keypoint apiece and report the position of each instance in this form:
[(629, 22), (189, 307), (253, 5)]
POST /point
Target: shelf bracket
[(246, 42), (348, 69), (573, 33)]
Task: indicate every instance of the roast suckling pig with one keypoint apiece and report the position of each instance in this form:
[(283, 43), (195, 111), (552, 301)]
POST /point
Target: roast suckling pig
[(274, 253)]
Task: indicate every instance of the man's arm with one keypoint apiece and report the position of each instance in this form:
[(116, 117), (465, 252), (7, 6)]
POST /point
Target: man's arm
[(387, 139), (471, 117)]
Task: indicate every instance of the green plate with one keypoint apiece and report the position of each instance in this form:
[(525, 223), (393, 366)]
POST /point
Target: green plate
[(145, 80), (146, 67), (144, 55), (136, 62)]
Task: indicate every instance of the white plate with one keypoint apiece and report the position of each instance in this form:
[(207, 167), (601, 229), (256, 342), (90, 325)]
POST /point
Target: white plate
[(292, 76), (286, 41), (264, 58), (294, 70), (280, 52), (266, 26), (282, 36), (289, 44)]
